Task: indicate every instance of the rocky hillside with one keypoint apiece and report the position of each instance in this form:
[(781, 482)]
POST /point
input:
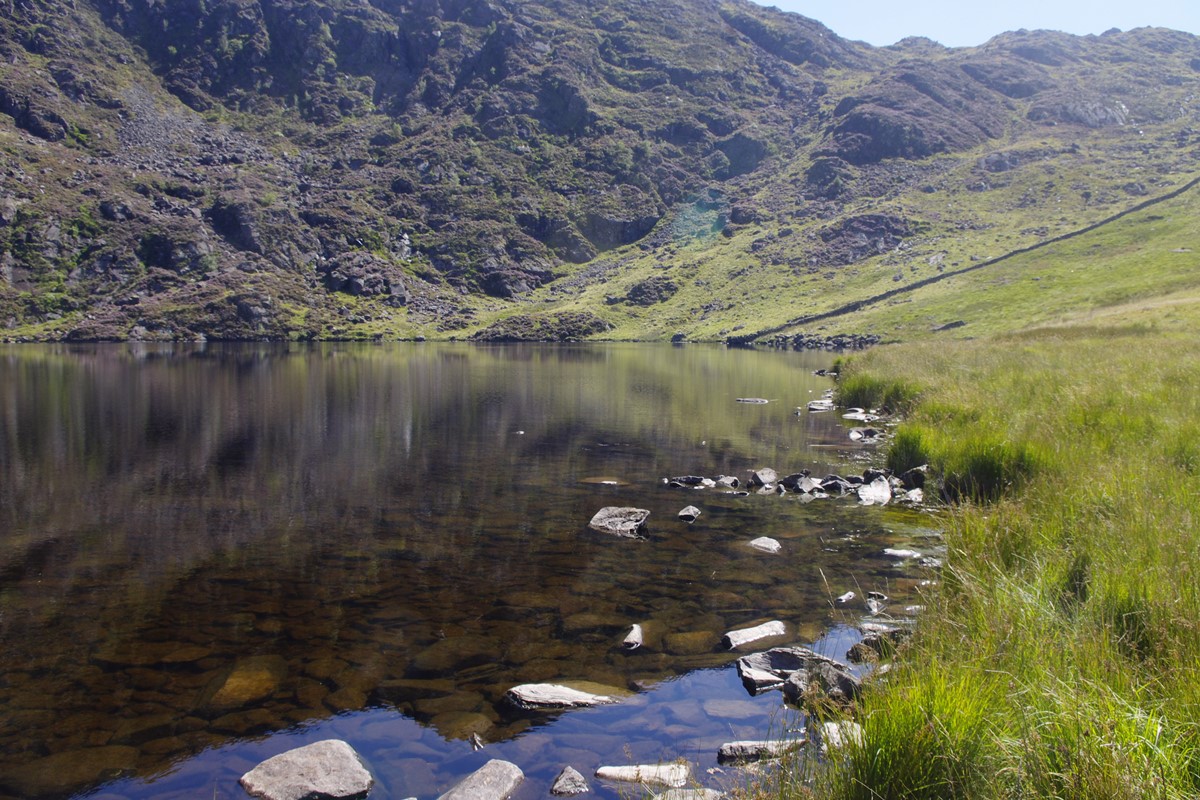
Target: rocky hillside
[(297, 169)]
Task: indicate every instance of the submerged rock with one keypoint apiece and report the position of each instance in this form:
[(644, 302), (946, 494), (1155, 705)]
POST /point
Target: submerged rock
[(495, 780), (247, 681), (620, 521), (327, 769)]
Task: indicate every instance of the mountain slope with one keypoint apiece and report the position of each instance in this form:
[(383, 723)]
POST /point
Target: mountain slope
[(387, 169)]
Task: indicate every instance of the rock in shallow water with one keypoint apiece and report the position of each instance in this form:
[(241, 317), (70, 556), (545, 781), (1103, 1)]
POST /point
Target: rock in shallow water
[(495, 780), (647, 774), (766, 544), (569, 782), (737, 638), (745, 752), (330, 768), (619, 521), (533, 696)]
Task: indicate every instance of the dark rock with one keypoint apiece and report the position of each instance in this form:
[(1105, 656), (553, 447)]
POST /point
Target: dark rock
[(749, 751), (826, 678), (769, 669), (878, 644), (656, 289), (914, 478)]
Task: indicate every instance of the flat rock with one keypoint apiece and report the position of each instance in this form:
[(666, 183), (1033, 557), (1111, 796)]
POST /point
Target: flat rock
[(900, 553), (329, 768), (675, 775), (620, 521), (748, 751), (569, 782), (766, 544), (737, 638), (688, 794), (535, 696), (495, 780), (758, 401)]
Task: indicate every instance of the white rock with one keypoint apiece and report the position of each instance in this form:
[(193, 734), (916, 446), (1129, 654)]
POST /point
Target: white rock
[(688, 794), (647, 774), (737, 638), (552, 695), (766, 544), (842, 599), (877, 492), (840, 734), (634, 639), (495, 780), (689, 514), (330, 768), (619, 521), (898, 553)]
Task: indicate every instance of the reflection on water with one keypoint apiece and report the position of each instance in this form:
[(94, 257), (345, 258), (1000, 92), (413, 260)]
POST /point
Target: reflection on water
[(210, 555)]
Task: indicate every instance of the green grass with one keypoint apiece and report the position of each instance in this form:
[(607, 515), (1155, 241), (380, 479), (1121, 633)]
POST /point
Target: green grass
[(1060, 652)]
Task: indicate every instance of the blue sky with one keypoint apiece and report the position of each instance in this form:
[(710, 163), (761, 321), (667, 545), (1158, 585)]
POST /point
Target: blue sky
[(963, 24)]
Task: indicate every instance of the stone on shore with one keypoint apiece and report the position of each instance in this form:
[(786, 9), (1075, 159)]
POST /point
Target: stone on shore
[(737, 638), (877, 492), (619, 521), (675, 775), (569, 782), (326, 769), (495, 780)]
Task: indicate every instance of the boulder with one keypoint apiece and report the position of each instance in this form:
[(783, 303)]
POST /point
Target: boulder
[(736, 638), (327, 769), (675, 775), (495, 780), (764, 477), (771, 669), (569, 782), (619, 521), (824, 676), (542, 696)]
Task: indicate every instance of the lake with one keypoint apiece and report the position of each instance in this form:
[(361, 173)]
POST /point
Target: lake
[(210, 554)]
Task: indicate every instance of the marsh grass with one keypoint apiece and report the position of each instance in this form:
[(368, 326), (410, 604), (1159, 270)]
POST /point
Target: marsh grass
[(1060, 655)]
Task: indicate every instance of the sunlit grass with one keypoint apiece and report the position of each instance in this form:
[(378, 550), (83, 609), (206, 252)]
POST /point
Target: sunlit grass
[(1060, 654)]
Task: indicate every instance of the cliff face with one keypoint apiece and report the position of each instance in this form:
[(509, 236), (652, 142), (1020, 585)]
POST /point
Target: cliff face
[(341, 168)]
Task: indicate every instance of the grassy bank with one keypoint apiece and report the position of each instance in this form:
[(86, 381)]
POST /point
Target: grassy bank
[(1060, 656)]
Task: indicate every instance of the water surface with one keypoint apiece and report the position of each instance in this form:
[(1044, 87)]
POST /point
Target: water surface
[(211, 554)]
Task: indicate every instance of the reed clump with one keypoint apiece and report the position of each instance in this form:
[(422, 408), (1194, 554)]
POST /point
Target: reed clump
[(1059, 655)]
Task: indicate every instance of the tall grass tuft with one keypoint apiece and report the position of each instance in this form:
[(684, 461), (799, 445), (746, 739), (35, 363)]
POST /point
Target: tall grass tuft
[(984, 468), (867, 391), (930, 738), (910, 447)]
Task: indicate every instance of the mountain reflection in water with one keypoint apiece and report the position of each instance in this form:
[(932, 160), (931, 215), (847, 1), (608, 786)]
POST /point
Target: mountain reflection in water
[(212, 553)]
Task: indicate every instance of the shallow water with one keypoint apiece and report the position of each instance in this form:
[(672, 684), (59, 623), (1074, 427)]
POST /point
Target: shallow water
[(211, 554)]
